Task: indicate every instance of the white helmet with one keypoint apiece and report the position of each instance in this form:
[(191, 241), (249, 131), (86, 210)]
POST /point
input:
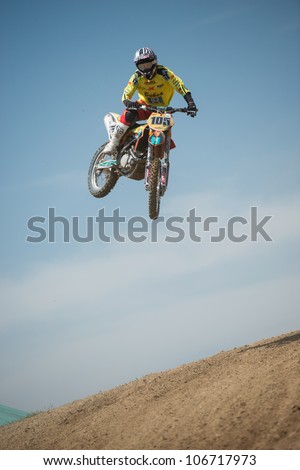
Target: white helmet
[(146, 61)]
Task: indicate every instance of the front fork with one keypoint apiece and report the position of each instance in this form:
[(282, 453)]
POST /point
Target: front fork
[(158, 147)]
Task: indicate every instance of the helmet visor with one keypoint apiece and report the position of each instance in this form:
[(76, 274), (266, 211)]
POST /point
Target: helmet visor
[(146, 66)]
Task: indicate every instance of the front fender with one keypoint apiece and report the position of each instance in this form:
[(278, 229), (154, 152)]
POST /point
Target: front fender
[(157, 140)]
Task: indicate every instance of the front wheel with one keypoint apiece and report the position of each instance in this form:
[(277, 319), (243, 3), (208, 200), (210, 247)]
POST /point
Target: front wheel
[(154, 189), (101, 180)]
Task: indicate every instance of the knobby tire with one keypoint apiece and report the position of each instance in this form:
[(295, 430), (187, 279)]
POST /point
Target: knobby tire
[(110, 182), (154, 189)]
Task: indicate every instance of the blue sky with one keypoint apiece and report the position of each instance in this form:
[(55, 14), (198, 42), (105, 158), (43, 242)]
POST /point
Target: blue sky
[(77, 318)]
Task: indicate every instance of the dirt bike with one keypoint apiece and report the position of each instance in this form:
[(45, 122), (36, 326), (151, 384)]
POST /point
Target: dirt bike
[(143, 153)]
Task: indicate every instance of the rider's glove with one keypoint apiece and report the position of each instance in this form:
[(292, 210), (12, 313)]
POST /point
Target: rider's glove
[(131, 104), (192, 108)]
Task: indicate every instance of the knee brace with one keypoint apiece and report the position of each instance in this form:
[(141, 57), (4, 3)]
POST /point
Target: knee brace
[(129, 117)]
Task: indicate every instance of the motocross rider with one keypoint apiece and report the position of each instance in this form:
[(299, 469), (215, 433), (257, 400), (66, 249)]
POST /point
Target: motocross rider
[(155, 85)]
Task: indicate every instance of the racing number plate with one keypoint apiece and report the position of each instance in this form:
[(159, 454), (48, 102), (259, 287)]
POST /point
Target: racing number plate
[(160, 122)]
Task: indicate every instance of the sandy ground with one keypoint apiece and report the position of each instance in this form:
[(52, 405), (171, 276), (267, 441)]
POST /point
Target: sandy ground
[(246, 398)]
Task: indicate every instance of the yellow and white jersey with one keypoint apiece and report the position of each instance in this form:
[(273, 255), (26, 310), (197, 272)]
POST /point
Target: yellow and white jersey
[(155, 92)]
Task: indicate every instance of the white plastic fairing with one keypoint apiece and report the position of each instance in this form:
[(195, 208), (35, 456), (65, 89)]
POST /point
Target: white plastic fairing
[(110, 121), (125, 160)]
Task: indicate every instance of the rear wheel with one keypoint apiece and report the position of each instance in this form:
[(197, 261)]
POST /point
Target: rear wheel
[(154, 189), (101, 180)]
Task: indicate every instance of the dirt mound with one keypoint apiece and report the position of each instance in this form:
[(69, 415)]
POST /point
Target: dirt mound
[(246, 398)]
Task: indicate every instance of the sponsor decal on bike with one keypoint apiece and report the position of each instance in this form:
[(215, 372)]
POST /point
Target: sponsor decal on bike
[(156, 139), (107, 164)]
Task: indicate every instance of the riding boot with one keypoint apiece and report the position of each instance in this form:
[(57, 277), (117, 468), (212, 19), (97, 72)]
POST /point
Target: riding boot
[(116, 137)]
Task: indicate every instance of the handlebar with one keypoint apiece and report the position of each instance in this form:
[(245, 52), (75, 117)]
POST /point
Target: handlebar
[(162, 109), (165, 109)]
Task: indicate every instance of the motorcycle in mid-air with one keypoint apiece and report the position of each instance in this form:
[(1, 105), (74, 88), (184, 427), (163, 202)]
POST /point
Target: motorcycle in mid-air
[(143, 153)]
